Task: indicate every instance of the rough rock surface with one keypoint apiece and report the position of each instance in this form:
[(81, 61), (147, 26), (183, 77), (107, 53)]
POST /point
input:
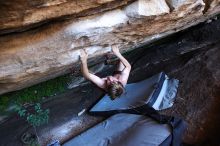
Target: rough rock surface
[(18, 15), (198, 97), (33, 56)]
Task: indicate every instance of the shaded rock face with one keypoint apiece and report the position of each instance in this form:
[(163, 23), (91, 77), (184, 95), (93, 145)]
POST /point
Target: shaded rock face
[(48, 51), (200, 97)]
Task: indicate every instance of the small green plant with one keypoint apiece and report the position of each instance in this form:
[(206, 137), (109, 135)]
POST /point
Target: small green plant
[(35, 117), (37, 93)]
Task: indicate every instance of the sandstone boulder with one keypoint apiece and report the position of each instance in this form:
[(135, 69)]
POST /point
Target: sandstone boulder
[(17, 15), (48, 51)]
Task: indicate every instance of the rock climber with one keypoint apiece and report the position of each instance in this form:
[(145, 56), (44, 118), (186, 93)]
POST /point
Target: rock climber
[(113, 85)]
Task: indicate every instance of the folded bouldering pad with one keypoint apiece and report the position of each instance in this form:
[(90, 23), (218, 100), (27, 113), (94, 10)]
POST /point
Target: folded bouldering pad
[(158, 92)]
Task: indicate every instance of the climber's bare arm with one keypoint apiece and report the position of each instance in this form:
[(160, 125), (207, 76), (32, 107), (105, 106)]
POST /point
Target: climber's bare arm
[(85, 71), (127, 67)]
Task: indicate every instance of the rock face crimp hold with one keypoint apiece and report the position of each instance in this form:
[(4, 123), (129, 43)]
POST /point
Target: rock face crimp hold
[(47, 51)]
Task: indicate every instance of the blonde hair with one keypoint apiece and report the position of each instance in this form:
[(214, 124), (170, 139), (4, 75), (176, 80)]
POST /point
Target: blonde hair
[(115, 90)]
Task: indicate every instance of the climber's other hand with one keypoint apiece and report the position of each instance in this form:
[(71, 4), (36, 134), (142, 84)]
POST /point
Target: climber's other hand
[(83, 55)]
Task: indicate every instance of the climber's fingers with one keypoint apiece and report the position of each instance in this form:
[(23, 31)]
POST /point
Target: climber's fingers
[(115, 49), (83, 55)]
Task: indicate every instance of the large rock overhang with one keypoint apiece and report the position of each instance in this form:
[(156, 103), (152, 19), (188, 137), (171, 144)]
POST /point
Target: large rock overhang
[(48, 51)]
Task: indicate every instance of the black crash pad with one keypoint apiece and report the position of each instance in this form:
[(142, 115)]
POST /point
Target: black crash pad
[(158, 92)]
